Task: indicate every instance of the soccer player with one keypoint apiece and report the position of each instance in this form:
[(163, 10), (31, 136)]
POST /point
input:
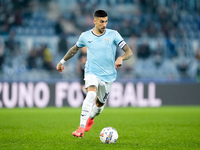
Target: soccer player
[(100, 68)]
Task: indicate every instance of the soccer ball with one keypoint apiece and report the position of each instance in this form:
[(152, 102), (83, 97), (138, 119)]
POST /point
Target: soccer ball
[(108, 135)]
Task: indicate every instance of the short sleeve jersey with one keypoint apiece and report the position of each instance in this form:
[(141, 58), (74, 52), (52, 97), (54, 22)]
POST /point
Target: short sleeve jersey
[(101, 51)]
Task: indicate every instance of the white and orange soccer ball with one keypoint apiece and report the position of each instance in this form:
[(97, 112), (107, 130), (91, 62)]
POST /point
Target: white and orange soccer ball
[(108, 135)]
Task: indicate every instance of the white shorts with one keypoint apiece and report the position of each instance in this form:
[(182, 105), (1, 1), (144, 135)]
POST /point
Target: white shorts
[(103, 88)]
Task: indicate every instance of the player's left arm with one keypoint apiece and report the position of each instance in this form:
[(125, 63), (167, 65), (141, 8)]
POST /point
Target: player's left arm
[(128, 53)]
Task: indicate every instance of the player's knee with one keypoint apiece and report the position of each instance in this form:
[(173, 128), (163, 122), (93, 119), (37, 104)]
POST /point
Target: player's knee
[(92, 88), (98, 103)]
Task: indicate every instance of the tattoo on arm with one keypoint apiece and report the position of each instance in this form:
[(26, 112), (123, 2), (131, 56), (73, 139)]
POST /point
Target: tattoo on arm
[(128, 52), (72, 51)]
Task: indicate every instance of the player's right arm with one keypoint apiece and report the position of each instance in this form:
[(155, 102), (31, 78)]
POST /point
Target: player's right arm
[(72, 51)]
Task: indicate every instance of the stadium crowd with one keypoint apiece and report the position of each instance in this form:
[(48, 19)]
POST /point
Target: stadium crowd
[(164, 35)]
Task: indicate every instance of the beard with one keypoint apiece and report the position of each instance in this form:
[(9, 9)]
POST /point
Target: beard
[(102, 30)]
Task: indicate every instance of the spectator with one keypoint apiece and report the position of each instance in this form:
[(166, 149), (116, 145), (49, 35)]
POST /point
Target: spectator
[(2, 51), (12, 44), (32, 59), (58, 27), (62, 44), (143, 50), (46, 57)]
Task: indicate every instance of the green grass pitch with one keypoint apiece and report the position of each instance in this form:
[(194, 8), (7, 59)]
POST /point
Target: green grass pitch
[(163, 128)]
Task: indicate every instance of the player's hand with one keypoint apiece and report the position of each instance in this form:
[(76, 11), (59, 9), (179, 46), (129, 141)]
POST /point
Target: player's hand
[(60, 67), (118, 62)]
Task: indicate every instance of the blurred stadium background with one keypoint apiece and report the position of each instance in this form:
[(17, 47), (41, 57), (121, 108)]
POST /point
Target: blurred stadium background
[(164, 35)]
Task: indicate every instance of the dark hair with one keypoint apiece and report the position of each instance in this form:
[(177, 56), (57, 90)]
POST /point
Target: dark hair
[(100, 13)]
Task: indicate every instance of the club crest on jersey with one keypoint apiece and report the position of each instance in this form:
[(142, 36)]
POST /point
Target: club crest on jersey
[(107, 40)]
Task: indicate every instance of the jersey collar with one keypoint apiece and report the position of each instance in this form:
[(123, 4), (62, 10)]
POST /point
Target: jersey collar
[(98, 35)]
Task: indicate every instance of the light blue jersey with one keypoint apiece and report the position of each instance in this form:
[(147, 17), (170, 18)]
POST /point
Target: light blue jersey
[(101, 52)]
